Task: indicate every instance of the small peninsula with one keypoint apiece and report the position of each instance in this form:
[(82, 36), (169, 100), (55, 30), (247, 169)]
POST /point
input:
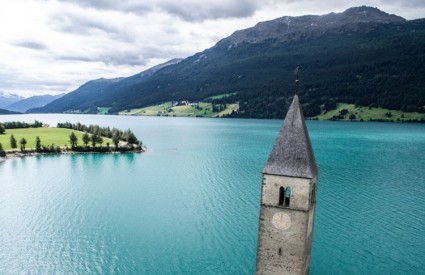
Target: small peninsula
[(22, 139)]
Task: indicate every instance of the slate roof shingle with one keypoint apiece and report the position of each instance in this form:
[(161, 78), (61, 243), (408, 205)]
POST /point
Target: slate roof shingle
[(292, 153)]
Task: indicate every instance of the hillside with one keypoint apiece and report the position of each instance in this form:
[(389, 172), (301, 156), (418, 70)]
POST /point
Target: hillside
[(7, 99), (32, 102), (362, 56), (85, 99), (79, 100), (7, 112)]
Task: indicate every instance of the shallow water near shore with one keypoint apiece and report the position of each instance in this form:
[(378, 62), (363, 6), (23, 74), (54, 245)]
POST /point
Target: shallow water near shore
[(190, 203)]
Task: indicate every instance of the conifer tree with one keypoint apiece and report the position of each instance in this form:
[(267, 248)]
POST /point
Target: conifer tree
[(116, 140), (37, 144), (94, 139), (86, 139), (2, 152), (23, 142), (13, 143), (73, 139)]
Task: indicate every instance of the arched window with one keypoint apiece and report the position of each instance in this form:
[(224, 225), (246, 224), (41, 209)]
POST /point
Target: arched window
[(313, 194), (281, 195), (287, 195)]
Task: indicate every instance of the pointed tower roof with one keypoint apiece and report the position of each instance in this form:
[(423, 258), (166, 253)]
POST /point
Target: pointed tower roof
[(292, 154)]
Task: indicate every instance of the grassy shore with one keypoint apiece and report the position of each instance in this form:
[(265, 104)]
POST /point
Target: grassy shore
[(48, 136), (204, 109), (367, 114)]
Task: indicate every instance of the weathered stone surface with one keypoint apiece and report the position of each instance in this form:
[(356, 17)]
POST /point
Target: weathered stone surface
[(286, 226)]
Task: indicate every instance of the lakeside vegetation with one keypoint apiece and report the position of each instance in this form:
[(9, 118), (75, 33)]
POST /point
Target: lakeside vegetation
[(200, 109), (351, 112), (19, 137), (219, 106)]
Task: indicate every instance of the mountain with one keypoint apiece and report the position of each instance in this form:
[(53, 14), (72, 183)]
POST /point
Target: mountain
[(7, 112), (85, 99), (8, 98), (32, 102), (290, 28), (78, 99), (362, 56)]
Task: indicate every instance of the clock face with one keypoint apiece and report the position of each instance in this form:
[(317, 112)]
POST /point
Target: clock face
[(281, 221)]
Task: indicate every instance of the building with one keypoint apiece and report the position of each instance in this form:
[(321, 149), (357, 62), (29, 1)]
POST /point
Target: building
[(288, 200)]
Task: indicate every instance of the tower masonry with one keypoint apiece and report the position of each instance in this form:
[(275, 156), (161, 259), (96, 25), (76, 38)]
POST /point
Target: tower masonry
[(288, 200)]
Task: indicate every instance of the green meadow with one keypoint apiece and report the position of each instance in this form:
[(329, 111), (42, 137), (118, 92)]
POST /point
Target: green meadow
[(366, 114), (48, 136), (204, 109)]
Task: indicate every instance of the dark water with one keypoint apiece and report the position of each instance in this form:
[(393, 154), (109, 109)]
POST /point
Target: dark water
[(190, 204)]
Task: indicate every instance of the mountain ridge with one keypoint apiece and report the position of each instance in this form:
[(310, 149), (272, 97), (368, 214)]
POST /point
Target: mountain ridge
[(31, 102), (83, 98), (8, 98), (283, 28), (375, 60)]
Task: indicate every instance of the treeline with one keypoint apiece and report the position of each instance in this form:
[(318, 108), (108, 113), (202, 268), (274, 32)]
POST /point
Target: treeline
[(114, 133), (19, 124)]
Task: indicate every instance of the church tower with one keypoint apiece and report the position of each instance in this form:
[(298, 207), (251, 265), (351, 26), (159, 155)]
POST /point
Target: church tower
[(288, 200)]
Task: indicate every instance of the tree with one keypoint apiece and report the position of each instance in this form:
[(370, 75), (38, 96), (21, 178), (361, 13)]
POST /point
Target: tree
[(2, 152), (352, 116), (37, 144), (73, 139), (99, 140), (94, 139), (343, 112), (116, 140), (13, 142), (86, 138), (2, 129), (129, 137), (23, 142)]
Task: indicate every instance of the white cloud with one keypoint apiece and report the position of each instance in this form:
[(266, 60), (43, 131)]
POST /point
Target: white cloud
[(55, 46)]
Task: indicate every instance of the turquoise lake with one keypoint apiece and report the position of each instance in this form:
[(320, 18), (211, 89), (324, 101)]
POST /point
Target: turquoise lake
[(190, 204)]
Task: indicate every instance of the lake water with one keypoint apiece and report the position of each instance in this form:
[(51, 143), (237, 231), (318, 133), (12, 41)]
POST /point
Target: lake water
[(190, 204)]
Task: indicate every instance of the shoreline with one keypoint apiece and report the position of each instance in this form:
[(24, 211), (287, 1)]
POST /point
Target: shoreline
[(405, 120), (18, 154)]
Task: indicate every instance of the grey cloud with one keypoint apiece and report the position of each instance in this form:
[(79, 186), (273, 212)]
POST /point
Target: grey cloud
[(80, 25), (409, 4), (121, 5), (200, 11), (30, 45), (13, 82), (188, 10), (113, 58), (118, 58), (75, 58)]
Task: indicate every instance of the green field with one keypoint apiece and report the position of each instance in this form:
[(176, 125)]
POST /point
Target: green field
[(204, 109), (103, 110), (48, 136), (366, 114)]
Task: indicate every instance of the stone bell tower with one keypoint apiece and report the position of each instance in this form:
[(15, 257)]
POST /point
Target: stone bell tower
[(288, 200)]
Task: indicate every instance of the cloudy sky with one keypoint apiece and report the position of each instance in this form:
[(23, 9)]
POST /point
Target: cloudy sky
[(50, 47)]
